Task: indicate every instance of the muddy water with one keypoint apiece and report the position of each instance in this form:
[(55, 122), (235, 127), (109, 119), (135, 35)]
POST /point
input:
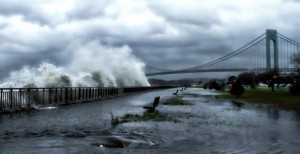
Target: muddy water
[(210, 125)]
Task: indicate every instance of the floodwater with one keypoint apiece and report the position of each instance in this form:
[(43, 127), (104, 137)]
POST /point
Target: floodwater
[(210, 125)]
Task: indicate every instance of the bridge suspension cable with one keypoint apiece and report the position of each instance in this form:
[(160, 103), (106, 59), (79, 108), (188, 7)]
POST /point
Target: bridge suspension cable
[(261, 54), (288, 39), (236, 52), (156, 68)]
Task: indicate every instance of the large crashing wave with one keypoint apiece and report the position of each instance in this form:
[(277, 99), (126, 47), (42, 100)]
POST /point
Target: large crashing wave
[(90, 65)]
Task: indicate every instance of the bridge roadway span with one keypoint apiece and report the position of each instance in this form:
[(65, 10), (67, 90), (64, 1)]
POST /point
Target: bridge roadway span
[(221, 70), (270, 51)]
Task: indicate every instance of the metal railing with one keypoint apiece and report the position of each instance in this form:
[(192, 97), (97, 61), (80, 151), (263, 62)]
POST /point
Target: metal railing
[(23, 98)]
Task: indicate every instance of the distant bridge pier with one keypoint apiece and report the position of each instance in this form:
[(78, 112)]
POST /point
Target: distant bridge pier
[(271, 35)]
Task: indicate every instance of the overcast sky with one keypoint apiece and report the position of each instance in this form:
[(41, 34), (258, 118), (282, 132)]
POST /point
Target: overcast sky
[(168, 34)]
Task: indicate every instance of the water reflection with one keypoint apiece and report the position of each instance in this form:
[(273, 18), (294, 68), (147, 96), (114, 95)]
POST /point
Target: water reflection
[(273, 113), (297, 115), (238, 104)]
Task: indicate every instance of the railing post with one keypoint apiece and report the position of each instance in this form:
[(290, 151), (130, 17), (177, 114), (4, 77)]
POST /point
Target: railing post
[(50, 96), (66, 95), (106, 91), (100, 92), (10, 97), (28, 97), (71, 94), (43, 96), (79, 93), (97, 92), (20, 98), (90, 93), (93, 93), (55, 100), (1, 101), (61, 95), (86, 93), (83, 94), (120, 91)]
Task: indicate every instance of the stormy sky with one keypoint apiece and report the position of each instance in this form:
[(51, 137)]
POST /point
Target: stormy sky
[(170, 34)]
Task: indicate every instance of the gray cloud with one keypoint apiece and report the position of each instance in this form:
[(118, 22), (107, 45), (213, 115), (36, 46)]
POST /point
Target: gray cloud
[(191, 14), (164, 34)]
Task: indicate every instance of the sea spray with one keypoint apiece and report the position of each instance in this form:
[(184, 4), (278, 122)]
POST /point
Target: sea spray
[(45, 75), (89, 64)]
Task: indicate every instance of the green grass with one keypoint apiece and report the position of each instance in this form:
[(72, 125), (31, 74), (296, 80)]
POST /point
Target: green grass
[(192, 95), (151, 116), (175, 101), (197, 86), (281, 98), (154, 116)]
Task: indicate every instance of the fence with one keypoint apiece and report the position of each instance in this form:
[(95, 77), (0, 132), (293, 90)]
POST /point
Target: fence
[(22, 98)]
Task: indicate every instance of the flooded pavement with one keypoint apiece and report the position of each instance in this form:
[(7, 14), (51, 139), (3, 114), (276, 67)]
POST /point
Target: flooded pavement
[(210, 125)]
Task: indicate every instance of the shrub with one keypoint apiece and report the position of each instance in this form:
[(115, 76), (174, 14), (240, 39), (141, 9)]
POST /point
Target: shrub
[(295, 89), (237, 89), (214, 85)]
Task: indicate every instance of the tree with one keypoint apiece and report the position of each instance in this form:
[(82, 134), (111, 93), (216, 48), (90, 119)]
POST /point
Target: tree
[(265, 77), (295, 88), (247, 78), (295, 59), (231, 79), (213, 84)]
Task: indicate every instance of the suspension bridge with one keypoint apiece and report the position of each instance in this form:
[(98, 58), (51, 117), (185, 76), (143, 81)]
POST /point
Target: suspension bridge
[(269, 51)]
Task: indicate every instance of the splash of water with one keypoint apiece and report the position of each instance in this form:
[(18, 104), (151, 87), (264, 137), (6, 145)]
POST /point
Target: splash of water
[(91, 64)]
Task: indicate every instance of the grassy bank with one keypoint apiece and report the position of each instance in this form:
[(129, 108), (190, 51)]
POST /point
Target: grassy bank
[(281, 98), (151, 116), (197, 86)]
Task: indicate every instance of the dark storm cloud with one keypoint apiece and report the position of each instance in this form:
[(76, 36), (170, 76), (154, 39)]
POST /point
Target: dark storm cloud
[(13, 8), (164, 34), (27, 9), (14, 61), (86, 11), (190, 15)]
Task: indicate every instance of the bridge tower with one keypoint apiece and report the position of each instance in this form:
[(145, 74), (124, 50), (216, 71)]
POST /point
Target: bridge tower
[(271, 35)]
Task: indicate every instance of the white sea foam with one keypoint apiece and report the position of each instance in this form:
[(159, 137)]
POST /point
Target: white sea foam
[(90, 64)]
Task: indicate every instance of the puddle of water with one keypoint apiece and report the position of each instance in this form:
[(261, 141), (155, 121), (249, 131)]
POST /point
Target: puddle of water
[(46, 108)]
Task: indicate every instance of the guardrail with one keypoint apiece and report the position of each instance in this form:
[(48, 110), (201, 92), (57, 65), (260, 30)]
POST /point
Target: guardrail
[(12, 99)]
